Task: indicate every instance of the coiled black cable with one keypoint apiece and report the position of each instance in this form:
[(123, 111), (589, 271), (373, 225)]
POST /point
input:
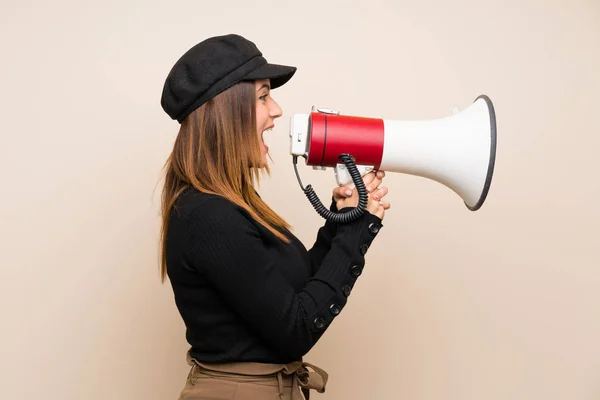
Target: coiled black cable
[(345, 217)]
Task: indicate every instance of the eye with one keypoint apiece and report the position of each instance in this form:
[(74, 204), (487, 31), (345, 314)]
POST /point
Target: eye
[(264, 97)]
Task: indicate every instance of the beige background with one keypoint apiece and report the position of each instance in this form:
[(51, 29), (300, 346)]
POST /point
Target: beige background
[(454, 305)]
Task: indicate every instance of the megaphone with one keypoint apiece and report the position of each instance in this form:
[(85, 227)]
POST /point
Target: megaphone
[(458, 151)]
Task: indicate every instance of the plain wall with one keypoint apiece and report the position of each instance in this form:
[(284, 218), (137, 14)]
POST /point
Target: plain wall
[(502, 303)]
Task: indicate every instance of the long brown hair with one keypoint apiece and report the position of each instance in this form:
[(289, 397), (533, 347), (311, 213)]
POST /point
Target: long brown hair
[(217, 150)]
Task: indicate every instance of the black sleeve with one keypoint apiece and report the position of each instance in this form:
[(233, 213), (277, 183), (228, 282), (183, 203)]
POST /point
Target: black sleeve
[(322, 243), (227, 249)]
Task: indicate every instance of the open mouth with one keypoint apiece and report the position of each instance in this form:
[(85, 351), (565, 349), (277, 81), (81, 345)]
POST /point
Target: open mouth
[(263, 139)]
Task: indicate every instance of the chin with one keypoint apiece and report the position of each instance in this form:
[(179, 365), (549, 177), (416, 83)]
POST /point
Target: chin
[(264, 161)]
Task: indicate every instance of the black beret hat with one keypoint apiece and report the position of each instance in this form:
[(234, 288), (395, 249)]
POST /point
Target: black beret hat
[(213, 66)]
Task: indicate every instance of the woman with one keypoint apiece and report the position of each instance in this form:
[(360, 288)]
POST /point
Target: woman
[(254, 300)]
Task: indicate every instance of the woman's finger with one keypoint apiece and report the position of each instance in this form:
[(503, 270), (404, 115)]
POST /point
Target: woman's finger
[(341, 192), (345, 191), (372, 180), (385, 204), (371, 187), (369, 178), (380, 192)]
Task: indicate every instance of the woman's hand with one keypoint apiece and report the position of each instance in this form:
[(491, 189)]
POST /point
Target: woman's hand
[(347, 196)]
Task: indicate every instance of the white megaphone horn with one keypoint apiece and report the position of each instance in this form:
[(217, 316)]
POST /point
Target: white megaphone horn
[(458, 151)]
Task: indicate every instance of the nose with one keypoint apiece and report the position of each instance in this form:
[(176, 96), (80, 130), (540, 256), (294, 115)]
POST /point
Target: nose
[(275, 111)]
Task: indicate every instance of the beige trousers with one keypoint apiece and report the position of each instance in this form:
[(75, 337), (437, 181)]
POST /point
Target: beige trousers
[(251, 381)]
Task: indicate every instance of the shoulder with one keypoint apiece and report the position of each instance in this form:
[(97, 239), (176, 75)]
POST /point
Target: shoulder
[(195, 207)]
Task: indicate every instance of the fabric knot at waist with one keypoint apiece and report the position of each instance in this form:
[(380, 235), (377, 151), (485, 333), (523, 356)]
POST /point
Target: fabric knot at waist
[(300, 375)]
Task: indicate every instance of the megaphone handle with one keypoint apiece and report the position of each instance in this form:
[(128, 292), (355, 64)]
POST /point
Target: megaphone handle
[(343, 177), (346, 217)]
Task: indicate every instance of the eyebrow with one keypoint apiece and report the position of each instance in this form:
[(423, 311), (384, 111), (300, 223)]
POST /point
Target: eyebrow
[(268, 87)]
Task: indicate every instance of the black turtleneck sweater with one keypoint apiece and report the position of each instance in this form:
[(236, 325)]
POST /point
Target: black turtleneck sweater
[(245, 295)]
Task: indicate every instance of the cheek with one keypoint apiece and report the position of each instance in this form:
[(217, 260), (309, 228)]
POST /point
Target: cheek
[(262, 114)]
